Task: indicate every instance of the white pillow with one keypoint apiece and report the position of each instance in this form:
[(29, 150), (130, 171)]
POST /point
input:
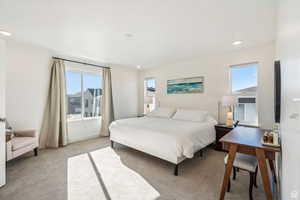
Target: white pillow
[(190, 115), (162, 112), (211, 120)]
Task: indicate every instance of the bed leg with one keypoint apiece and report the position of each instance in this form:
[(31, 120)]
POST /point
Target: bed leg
[(176, 170), (112, 144), (201, 153)]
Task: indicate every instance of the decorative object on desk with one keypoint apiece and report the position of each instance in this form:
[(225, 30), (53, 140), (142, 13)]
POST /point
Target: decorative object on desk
[(8, 134), (8, 131), (186, 85), (8, 137), (270, 139), (147, 102), (229, 102), (276, 127)]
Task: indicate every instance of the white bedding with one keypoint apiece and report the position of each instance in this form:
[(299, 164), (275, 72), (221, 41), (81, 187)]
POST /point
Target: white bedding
[(168, 139)]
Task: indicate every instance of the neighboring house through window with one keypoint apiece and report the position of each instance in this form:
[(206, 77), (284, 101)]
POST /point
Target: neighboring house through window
[(149, 94), (84, 92), (244, 86)]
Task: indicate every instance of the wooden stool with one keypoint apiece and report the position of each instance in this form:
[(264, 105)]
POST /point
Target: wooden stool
[(247, 163)]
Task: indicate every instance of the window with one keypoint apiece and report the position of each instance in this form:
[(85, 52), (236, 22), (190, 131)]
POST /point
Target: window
[(149, 97), (74, 97), (244, 86), (84, 93), (92, 94)]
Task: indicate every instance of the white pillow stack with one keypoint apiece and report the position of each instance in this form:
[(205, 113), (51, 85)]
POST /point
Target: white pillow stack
[(162, 112), (190, 115)]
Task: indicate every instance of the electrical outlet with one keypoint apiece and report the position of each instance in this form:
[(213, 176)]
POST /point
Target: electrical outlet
[(296, 100), (294, 116)]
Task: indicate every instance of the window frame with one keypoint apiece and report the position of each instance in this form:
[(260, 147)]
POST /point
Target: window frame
[(83, 69), (146, 86), (244, 122), (246, 95)]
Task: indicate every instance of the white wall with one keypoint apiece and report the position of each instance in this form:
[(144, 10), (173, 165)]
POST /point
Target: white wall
[(125, 95), (2, 112), (288, 51), (28, 75), (215, 69), (27, 85)]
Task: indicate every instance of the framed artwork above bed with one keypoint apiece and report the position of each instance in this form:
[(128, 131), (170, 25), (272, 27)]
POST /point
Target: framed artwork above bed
[(186, 85)]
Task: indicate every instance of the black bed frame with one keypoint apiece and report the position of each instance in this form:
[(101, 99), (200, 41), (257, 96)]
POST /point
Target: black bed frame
[(176, 165)]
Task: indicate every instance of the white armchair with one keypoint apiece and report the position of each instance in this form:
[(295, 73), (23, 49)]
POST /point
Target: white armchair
[(22, 142)]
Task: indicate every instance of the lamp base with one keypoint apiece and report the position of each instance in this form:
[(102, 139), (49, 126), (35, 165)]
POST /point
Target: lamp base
[(229, 119)]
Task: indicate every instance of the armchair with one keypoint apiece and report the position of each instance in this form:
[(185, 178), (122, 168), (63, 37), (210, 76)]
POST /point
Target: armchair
[(21, 142)]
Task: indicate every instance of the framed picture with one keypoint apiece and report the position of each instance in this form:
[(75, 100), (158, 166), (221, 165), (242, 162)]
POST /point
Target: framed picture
[(186, 85)]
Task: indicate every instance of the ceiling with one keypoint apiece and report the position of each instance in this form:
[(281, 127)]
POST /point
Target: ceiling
[(139, 32)]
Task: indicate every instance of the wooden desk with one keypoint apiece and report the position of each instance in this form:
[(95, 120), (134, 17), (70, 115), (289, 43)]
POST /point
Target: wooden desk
[(248, 141)]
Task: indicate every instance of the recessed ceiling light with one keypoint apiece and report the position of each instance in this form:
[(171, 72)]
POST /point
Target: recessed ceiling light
[(138, 66), (238, 42), (128, 35), (5, 33)]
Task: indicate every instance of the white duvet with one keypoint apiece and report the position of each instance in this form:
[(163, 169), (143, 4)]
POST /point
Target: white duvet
[(165, 138)]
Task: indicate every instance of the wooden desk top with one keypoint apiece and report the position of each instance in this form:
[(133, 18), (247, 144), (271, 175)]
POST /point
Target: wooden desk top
[(246, 136)]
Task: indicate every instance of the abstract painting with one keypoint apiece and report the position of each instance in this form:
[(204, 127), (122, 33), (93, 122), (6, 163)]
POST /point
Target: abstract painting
[(186, 85)]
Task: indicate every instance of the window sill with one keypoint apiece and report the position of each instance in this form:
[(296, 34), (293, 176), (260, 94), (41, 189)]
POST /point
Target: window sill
[(84, 119), (248, 125)]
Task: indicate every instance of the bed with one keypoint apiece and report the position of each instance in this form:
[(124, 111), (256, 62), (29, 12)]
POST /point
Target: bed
[(170, 139)]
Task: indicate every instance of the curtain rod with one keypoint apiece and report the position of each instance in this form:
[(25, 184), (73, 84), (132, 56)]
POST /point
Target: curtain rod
[(74, 61)]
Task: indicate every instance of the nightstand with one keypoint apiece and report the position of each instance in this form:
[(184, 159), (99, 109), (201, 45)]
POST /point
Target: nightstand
[(221, 130)]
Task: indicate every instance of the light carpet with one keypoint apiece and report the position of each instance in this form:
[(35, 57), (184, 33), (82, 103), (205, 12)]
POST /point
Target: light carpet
[(92, 170)]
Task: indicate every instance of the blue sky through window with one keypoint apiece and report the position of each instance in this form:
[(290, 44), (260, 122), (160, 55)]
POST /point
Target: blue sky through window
[(73, 81), (150, 83), (92, 81), (243, 77)]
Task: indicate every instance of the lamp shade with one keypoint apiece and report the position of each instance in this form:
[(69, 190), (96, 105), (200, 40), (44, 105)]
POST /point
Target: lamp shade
[(148, 100), (228, 100)]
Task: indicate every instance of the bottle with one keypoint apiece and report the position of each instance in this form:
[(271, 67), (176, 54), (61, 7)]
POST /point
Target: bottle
[(275, 138), (265, 138), (276, 130), (270, 138)]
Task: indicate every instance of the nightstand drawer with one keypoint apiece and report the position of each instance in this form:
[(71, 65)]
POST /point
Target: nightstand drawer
[(221, 133)]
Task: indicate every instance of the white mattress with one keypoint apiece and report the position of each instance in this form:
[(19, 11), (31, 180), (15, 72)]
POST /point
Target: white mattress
[(169, 139)]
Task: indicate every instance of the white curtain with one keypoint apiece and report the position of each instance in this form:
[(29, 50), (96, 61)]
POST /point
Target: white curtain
[(107, 103), (54, 129)]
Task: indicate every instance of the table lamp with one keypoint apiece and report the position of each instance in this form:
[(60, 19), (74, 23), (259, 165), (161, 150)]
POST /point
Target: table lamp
[(229, 101), (147, 102)]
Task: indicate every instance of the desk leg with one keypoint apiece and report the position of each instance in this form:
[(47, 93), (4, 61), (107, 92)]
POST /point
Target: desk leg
[(261, 157), (272, 170), (231, 156)]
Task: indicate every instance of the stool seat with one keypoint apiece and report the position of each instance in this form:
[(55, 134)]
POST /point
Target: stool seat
[(244, 161)]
